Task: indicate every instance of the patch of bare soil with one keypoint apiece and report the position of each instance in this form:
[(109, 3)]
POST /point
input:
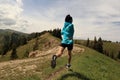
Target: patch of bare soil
[(20, 67)]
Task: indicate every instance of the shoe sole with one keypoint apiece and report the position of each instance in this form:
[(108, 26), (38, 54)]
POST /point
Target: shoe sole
[(53, 62)]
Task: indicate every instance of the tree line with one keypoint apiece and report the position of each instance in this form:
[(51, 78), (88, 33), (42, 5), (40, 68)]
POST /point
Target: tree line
[(56, 32), (97, 44), (11, 42)]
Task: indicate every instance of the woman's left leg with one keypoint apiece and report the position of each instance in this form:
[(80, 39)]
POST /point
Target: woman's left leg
[(69, 56)]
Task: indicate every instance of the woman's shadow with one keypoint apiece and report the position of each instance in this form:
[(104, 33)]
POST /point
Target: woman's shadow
[(74, 74)]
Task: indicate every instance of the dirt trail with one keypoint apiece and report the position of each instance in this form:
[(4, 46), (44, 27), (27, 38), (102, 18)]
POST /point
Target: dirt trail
[(13, 67), (61, 69), (52, 75)]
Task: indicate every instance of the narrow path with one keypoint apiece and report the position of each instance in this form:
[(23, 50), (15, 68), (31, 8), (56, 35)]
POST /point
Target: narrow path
[(52, 75), (11, 68)]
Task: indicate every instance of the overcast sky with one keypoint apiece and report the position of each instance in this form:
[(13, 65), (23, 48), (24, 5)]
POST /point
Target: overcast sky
[(100, 18)]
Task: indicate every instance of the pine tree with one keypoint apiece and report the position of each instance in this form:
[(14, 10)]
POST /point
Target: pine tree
[(119, 55), (14, 54), (35, 47), (15, 41), (95, 43), (112, 55), (88, 42), (56, 32), (23, 40), (26, 54), (100, 41), (100, 45), (5, 44)]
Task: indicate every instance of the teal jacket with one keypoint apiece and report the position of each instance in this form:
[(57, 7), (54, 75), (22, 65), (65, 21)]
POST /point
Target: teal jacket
[(67, 33)]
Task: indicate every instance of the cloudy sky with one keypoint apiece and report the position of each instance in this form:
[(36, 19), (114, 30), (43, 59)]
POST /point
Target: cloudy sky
[(100, 18)]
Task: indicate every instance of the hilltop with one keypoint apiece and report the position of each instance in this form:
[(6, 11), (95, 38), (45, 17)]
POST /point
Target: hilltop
[(8, 38), (87, 64), (45, 41)]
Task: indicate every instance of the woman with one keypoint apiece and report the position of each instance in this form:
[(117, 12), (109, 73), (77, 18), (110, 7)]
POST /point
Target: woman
[(67, 41)]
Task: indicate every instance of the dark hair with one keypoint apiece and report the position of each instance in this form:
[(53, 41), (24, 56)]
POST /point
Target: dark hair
[(68, 18)]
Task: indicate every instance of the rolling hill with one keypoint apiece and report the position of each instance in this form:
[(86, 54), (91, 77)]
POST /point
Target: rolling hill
[(46, 41), (111, 49), (87, 64), (9, 37)]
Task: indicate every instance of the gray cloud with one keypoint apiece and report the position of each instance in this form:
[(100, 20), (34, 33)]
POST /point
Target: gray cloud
[(7, 21), (11, 15), (116, 23)]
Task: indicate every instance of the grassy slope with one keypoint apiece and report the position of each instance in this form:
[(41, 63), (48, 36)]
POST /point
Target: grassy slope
[(29, 46), (91, 66), (111, 47)]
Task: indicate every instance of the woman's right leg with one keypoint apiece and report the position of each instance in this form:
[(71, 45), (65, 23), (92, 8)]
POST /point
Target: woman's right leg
[(54, 57), (60, 51)]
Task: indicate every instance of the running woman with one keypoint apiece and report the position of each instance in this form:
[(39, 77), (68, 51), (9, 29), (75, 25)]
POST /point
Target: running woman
[(67, 41)]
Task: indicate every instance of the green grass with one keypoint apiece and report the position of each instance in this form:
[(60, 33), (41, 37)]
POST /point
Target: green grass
[(92, 66), (33, 77), (111, 49)]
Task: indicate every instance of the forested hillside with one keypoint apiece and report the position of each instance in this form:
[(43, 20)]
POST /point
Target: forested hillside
[(106, 47), (10, 39)]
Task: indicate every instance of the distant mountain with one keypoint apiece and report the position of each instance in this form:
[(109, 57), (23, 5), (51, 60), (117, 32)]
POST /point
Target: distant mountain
[(4, 31)]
